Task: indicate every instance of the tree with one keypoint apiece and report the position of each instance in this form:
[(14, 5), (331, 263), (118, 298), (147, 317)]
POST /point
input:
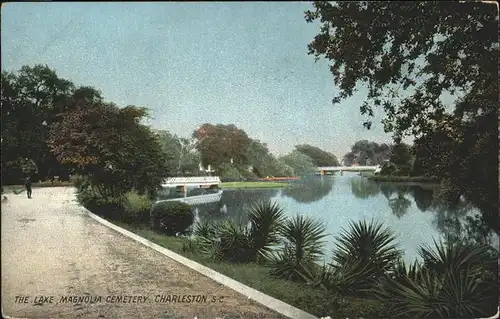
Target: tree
[(31, 101), (319, 156), (301, 164), (401, 156), (367, 153), (263, 162), (108, 143), (221, 144), (172, 147), (433, 153), (181, 154), (409, 54)]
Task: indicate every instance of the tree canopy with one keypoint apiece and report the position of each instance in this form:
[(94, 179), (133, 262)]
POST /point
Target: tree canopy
[(31, 100), (424, 48), (51, 127), (219, 144), (318, 156), (109, 143), (415, 57), (368, 153), (182, 157), (299, 163)]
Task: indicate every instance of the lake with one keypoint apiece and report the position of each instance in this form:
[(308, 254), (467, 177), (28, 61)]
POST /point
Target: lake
[(410, 210)]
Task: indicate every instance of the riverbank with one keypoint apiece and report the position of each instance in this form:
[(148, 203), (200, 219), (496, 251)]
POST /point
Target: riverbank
[(402, 179), (253, 185), (313, 300)]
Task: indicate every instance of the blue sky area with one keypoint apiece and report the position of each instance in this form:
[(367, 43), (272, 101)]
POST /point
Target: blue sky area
[(192, 63)]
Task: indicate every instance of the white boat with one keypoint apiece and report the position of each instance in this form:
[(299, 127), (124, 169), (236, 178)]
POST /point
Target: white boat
[(197, 199)]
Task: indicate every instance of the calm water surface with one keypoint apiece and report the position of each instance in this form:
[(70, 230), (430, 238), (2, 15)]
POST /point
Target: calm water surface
[(408, 209)]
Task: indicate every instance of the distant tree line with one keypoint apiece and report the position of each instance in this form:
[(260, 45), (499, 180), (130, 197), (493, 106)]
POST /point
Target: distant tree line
[(51, 127), (233, 155)]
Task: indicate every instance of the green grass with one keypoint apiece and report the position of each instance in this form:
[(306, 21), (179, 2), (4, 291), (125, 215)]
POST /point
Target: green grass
[(253, 185)]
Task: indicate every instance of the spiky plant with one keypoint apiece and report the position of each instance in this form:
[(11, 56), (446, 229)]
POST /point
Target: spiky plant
[(227, 241), (455, 280), (364, 253), (204, 229), (343, 280), (266, 219), (303, 246), (457, 255)]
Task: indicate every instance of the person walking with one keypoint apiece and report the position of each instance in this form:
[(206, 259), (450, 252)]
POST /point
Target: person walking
[(27, 183)]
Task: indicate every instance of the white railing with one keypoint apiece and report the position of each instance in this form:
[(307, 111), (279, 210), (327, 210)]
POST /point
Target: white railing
[(346, 168), (193, 180)]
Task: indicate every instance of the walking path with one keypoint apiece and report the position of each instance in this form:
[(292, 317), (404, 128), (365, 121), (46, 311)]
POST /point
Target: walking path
[(52, 248)]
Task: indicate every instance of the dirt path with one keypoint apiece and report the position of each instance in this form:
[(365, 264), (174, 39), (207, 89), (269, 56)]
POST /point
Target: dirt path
[(50, 247)]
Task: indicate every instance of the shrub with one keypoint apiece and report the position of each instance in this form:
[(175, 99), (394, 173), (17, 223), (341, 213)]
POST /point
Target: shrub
[(136, 207), (171, 217), (78, 180), (388, 168), (105, 206), (53, 183), (403, 170), (229, 173), (248, 176)]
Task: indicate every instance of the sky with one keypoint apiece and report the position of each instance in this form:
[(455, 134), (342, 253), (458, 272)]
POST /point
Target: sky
[(192, 63)]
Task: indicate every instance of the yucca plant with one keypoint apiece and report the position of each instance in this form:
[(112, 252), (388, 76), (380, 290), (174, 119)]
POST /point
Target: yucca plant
[(237, 242), (343, 280), (457, 255), (227, 241), (265, 220), (302, 249), (364, 253), (204, 229), (455, 280)]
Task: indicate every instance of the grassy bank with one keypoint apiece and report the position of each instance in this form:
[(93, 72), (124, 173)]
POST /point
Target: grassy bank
[(253, 185), (402, 179), (364, 260), (313, 300)]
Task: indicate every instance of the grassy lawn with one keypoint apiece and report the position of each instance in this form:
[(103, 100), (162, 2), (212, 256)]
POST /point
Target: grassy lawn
[(253, 185)]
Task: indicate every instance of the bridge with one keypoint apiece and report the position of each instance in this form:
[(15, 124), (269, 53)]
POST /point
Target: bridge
[(191, 181), (329, 169)]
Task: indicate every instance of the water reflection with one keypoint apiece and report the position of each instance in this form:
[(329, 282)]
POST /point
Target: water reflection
[(399, 196), (412, 211), (399, 205), (424, 198), (309, 189), (364, 188), (461, 221), (234, 203)]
